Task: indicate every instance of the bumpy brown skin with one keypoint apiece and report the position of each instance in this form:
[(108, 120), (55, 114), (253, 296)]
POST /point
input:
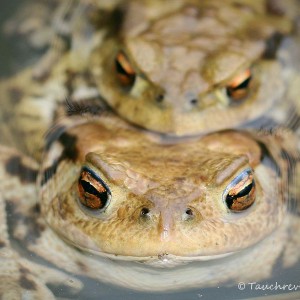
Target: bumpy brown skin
[(28, 226), (184, 54), (167, 179)]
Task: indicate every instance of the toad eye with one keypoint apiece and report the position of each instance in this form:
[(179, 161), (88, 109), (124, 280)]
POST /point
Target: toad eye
[(93, 192), (238, 88), (240, 193), (125, 72)]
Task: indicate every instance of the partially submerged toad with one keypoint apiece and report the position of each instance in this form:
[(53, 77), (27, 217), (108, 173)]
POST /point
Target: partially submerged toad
[(121, 194)]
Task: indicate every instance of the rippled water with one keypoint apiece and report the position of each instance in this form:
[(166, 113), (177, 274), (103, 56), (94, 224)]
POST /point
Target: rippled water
[(12, 54)]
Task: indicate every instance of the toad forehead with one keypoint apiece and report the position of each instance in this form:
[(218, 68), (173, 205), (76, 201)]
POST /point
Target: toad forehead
[(180, 170)]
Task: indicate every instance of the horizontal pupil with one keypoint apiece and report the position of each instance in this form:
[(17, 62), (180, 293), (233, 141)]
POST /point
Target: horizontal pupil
[(121, 70), (244, 192), (243, 85), (125, 73), (88, 188)]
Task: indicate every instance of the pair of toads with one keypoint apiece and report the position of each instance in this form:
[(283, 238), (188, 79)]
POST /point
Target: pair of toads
[(172, 141)]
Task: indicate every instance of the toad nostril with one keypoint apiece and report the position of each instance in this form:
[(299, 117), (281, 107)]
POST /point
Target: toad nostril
[(189, 212), (188, 215), (144, 212), (160, 98), (194, 101)]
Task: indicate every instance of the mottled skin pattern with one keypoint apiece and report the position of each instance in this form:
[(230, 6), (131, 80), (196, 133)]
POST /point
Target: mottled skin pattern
[(169, 177), (22, 277)]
